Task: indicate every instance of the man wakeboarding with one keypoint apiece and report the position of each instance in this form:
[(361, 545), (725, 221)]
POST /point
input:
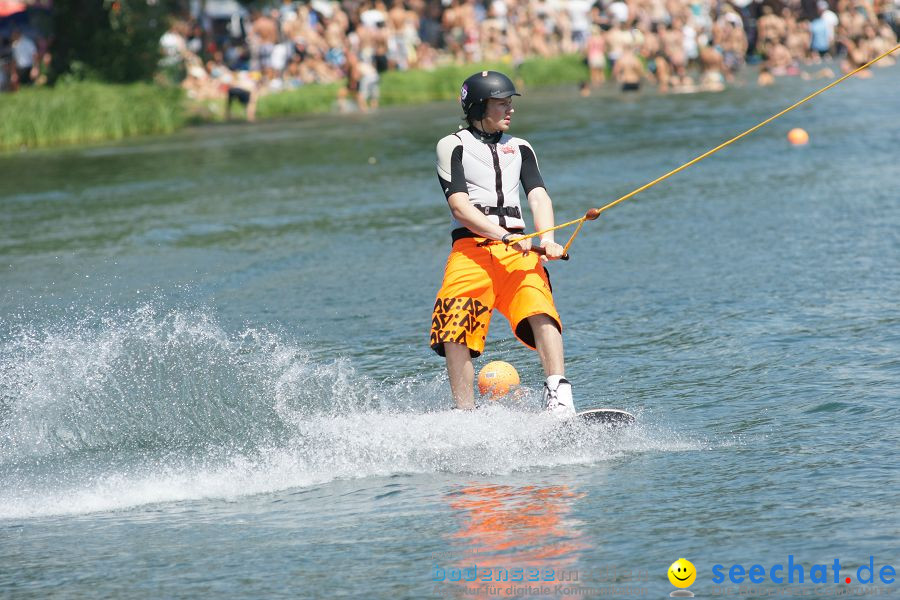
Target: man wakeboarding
[(481, 169)]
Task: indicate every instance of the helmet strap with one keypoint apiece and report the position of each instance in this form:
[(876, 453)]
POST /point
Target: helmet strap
[(487, 138)]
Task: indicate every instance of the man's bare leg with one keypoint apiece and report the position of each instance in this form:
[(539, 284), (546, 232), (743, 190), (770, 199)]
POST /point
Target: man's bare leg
[(548, 341), (557, 395), (462, 375)]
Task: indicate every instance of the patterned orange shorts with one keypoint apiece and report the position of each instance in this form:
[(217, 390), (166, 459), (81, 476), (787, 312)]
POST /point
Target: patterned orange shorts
[(480, 278)]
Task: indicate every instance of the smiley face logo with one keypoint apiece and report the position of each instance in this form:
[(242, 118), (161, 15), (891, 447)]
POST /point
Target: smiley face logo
[(682, 573)]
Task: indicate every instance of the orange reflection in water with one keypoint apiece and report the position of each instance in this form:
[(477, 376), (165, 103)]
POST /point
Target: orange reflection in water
[(514, 527)]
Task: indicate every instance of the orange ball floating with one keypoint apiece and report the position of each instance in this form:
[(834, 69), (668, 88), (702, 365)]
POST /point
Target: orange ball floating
[(497, 378), (798, 137)]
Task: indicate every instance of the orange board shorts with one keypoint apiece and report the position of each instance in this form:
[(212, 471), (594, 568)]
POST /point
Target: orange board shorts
[(479, 278)]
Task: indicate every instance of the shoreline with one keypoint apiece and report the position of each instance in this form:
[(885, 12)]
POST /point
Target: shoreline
[(86, 114), (74, 114)]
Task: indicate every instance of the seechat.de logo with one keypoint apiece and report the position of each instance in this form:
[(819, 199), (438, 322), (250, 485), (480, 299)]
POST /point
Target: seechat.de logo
[(795, 572)]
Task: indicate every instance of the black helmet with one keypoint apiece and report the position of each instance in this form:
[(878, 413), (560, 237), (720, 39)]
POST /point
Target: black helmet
[(479, 87)]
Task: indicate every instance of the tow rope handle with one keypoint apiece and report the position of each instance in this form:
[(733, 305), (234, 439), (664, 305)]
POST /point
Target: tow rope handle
[(541, 251)]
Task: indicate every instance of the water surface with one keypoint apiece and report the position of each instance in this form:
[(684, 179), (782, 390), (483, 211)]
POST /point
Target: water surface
[(215, 377)]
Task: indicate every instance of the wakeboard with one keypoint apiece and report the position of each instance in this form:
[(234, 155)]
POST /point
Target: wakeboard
[(612, 417)]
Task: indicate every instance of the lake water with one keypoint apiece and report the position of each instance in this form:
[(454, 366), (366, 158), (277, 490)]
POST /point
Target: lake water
[(215, 378)]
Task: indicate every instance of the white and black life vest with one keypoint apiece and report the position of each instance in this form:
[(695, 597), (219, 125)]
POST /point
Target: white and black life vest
[(488, 168)]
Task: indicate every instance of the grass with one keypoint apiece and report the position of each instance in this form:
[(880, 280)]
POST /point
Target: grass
[(415, 87), (83, 112), (308, 99), (87, 112)]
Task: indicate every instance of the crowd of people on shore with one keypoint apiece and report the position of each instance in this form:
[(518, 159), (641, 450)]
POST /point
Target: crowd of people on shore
[(688, 46), (676, 45)]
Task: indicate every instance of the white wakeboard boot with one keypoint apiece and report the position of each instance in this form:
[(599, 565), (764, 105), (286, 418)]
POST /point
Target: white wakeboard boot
[(557, 396)]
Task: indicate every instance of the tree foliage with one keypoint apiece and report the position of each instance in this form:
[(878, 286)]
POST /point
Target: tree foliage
[(108, 40)]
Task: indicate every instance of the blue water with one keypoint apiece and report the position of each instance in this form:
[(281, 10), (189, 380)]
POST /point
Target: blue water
[(215, 378)]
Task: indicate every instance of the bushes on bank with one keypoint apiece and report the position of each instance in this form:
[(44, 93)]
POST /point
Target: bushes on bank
[(415, 87), (87, 112), (315, 98), (84, 112)]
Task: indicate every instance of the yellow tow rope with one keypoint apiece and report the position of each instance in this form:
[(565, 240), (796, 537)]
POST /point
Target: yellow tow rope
[(593, 213)]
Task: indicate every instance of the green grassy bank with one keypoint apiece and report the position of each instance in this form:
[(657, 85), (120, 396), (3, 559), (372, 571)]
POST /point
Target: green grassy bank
[(85, 113), (77, 113), (413, 87)]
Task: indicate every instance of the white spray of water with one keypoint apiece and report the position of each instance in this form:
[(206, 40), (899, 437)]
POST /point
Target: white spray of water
[(151, 408)]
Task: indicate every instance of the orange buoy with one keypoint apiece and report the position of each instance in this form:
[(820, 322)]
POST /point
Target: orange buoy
[(497, 378), (798, 137)]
